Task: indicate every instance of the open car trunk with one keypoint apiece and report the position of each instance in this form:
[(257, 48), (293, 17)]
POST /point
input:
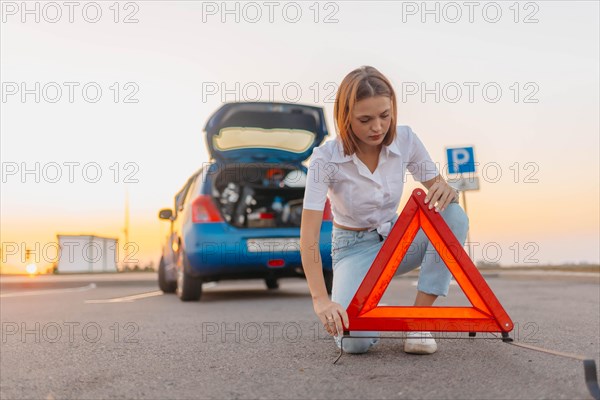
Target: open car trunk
[(260, 195), (266, 132)]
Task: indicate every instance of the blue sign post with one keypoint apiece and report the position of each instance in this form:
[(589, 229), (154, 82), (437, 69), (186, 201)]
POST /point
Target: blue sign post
[(462, 160)]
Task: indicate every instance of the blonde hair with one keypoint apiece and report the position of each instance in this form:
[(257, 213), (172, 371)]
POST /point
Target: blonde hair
[(362, 83)]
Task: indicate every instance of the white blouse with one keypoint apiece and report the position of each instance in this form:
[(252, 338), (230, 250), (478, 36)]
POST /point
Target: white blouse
[(359, 198)]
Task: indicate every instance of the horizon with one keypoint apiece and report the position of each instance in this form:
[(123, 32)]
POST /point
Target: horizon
[(535, 127)]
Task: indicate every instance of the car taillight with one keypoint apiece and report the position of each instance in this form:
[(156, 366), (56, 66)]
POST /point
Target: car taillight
[(327, 216), (276, 263), (204, 210)]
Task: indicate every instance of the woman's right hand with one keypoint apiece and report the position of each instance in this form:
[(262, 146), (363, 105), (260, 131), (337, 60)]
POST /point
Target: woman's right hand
[(332, 316)]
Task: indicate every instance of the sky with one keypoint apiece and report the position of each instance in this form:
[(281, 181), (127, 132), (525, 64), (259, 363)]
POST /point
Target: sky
[(101, 102)]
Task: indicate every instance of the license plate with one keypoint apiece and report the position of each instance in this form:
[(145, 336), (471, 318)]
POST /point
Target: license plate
[(270, 245)]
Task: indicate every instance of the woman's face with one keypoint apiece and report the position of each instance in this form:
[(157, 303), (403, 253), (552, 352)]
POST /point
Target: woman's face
[(371, 120)]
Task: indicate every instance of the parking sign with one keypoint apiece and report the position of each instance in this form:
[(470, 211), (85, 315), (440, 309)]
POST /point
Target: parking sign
[(460, 159)]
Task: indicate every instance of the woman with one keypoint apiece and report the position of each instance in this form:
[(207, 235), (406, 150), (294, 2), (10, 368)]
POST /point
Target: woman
[(362, 173)]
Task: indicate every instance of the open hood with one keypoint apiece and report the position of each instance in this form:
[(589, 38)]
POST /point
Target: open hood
[(265, 132)]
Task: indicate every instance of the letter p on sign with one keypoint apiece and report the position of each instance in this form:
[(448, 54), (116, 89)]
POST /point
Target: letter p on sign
[(460, 159)]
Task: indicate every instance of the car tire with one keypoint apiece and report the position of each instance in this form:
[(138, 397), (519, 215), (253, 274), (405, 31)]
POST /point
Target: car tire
[(163, 284), (189, 288), (272, 283), (328, 275)]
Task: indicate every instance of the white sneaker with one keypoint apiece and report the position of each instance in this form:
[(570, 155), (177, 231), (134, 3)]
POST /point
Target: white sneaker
[(420, 343)]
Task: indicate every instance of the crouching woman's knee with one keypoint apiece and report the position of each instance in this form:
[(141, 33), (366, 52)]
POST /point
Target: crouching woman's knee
[(457, 221)]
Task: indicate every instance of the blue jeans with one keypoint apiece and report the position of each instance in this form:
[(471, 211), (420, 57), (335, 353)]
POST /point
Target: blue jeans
[(353, 252)]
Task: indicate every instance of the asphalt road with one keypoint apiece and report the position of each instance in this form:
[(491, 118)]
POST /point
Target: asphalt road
[(100, 337)]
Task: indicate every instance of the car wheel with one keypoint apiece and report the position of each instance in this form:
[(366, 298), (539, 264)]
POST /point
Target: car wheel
[(163, 284), (272, 283), (328, 275), (189, 288)]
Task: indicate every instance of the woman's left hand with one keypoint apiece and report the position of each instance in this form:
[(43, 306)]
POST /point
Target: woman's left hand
[(440, 194)]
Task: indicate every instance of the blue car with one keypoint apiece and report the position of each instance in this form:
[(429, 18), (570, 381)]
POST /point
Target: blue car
[(238, 216)]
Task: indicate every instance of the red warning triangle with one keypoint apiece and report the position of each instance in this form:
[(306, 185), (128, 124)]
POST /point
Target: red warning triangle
[(486, 314)]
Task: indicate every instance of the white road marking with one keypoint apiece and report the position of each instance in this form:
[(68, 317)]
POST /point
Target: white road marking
[(127, 299), (49, 291)]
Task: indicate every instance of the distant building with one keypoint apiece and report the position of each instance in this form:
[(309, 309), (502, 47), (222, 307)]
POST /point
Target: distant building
[(86, 253)]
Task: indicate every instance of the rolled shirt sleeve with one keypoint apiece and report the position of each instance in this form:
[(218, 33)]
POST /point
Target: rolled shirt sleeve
[(315, 192), (420, 165)]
